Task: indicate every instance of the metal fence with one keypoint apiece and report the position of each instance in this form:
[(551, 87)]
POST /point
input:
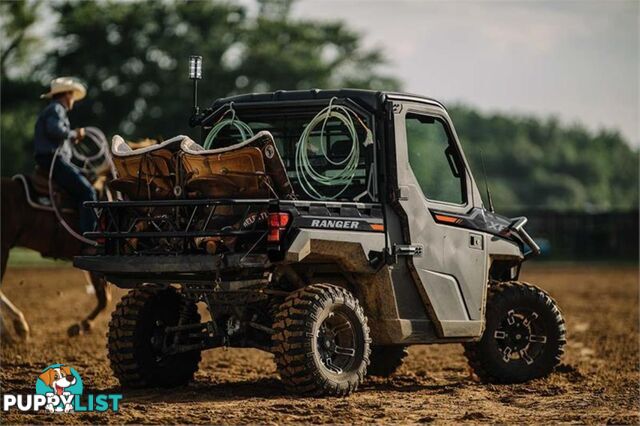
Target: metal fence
[(585, 236)]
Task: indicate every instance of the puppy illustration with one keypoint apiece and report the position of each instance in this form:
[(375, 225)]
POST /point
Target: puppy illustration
[(58, 379)]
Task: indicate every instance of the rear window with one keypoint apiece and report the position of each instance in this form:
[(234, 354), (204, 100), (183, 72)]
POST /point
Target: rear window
[(327, 157)]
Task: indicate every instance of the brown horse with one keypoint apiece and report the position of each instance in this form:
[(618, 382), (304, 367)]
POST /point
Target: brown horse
[(39, 230)]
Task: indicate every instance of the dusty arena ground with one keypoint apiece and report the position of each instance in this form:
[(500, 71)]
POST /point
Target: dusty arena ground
[(597, 383)]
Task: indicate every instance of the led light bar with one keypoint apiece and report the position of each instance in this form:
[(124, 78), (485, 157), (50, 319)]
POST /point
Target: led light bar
[(195, 67)]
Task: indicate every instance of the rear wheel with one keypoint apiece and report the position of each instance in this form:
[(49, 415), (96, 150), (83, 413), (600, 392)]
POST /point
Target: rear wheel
[(524, 336), (385, 360), (137, 335), (321, 341)]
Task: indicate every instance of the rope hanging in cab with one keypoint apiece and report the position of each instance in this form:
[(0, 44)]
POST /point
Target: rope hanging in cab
[(312, 180)]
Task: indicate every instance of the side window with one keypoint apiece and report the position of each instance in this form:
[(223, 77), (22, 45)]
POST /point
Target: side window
[(434, 159)]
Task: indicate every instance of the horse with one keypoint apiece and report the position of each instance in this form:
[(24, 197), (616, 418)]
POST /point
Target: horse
[(22, 225), (39, 230)]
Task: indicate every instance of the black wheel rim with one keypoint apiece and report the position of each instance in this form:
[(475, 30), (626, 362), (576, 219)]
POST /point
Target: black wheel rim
[(520, 336), (337, 342), (157, 339)]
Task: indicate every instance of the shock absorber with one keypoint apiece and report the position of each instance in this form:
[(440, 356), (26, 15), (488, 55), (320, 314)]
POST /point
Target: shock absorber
[(184, 318)]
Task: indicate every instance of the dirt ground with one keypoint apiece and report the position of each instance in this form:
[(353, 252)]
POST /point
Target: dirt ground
[(597, 383)]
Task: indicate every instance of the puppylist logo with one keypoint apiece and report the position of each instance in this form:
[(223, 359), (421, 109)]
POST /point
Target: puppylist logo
[(59, 389)]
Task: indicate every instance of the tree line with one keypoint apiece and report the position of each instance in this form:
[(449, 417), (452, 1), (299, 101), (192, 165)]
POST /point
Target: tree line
[(133, 58)]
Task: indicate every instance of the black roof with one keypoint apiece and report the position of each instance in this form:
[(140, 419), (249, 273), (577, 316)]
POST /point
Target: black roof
[(368, 98)]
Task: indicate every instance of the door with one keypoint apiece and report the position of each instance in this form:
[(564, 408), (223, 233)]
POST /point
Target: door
[(433, 180)]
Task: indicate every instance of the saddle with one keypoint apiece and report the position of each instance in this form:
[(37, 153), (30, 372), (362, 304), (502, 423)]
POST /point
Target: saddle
[(249, 169), (246, 170), (146, 173), (36, 188)]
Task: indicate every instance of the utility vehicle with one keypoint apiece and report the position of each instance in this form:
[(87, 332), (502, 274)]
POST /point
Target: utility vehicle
[(335, 275)]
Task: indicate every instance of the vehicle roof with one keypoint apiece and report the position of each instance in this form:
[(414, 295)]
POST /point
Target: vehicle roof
[(372, 99)]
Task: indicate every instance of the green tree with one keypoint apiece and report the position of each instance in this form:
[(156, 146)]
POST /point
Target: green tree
[(539, 164), (17, 43), (134, 56), (19, 48), (17, 120)]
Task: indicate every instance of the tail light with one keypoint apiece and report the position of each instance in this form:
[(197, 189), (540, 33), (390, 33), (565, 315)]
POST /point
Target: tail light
[(277, 224)]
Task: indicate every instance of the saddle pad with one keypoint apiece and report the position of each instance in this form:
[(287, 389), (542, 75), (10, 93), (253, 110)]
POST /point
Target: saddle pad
[(234, 174)]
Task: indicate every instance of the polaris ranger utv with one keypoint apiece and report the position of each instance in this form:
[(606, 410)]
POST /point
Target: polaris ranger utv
[(346, 229)]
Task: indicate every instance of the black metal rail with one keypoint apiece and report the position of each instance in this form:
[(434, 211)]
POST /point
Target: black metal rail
[(132, 266), (174, 226), (185, 202)]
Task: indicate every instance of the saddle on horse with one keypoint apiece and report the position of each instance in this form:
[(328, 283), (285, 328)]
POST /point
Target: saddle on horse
[(36, 188)]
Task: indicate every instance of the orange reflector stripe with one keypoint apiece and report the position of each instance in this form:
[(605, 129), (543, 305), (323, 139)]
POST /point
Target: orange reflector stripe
[(377, 227), (446, 219)]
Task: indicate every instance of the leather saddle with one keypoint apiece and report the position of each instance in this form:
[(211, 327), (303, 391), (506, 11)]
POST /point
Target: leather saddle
[(249, 169), (36, 188), (146, 173)]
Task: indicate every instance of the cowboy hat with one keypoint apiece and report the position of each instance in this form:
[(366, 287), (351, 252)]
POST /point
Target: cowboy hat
[(66, 84)]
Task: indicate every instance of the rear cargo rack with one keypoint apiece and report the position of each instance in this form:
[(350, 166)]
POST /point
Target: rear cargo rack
[(176, 226)]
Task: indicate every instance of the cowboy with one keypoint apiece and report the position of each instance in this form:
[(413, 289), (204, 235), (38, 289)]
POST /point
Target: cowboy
[(52, 131)]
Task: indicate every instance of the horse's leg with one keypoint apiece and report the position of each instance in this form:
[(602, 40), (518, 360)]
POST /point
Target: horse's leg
[(4, 258), (103, 294), (20, 325), (5, 335)]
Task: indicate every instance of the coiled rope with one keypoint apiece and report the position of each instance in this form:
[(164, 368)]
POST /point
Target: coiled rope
[(242, 127), (309, 177), (97, 137)]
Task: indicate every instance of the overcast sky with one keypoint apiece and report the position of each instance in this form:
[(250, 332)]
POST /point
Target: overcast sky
[(574, 59)]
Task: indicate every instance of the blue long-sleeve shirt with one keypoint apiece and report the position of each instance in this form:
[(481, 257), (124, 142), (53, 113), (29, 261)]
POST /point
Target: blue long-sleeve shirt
[(52, 129)]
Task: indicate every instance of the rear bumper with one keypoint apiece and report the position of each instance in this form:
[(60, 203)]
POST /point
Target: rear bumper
[(174, 265)]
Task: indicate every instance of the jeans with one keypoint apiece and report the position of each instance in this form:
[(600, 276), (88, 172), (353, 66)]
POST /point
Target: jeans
[(75, 184)]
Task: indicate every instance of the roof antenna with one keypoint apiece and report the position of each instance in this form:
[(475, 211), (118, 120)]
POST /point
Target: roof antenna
[(486, 184)]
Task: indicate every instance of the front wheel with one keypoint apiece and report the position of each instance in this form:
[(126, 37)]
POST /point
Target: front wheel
[(524, 336), (321, 341)]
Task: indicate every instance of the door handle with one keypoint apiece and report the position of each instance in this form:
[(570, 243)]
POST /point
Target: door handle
[(415, 250), (475, 241)]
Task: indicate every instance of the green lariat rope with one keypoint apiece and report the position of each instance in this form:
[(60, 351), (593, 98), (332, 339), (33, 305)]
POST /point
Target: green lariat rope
[(309, 177), (242, 127)]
